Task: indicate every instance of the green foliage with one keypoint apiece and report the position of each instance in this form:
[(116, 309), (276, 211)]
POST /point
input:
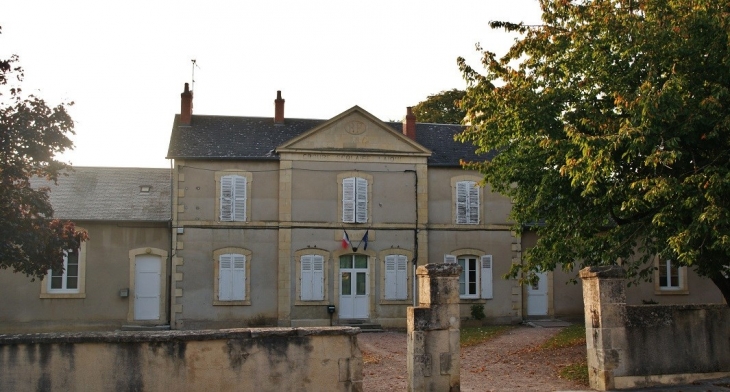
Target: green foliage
[(442, 108), (477, 312), (570, 336), (31, 134), (471, 336), (612, 122)]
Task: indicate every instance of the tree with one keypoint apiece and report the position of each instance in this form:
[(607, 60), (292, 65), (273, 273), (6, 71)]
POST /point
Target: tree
[(441, 108), (612, 122), (31, 133)]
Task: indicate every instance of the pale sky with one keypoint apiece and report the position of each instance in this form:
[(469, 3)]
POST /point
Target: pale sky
[(124, 63)]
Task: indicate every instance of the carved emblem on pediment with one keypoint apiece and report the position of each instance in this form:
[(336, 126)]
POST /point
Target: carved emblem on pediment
[(355, 127)]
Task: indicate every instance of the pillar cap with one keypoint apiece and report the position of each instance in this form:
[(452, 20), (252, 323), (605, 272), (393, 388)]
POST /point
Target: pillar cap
[(440, 269), (603, 272)]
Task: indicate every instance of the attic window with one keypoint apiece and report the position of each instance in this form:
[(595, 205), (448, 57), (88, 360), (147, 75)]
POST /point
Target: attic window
[(145, 188)]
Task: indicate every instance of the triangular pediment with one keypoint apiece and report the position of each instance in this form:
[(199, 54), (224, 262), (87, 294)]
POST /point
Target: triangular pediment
[(354, 131)]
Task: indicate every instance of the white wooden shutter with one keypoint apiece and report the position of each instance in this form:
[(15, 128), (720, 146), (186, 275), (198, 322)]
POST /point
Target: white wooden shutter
[(402, 277), (473, 205), (391, 280), (239, 278), (226, 202), (361, 188), (348, 200), (232, 277), (239, 198), (462, 203), (225, 277), (317, 278), (307, 278), (486, 277), (451, 259)]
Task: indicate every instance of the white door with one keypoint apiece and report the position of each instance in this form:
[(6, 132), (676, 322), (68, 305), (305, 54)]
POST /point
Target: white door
[(147, 287), (537, 296), (354, 284)]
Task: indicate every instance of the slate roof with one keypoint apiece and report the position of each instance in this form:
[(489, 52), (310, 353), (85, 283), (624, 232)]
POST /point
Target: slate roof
[(110, 194), (228, 137)]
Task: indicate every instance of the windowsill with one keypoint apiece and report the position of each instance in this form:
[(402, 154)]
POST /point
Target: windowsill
[(299, 302), (231, 303), (395, 301), (472, 300), (671, 292), (63, 295)]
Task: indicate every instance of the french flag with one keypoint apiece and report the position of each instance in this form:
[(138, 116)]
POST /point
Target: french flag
[(346, 240)]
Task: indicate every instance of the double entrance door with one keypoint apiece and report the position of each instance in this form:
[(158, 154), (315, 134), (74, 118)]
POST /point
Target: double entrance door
[(354, 286)]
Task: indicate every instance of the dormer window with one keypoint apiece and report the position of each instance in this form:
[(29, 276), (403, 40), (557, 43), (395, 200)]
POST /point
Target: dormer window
[(145, 188)]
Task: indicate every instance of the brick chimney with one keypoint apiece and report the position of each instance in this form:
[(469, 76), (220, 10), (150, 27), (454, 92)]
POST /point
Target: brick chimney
[(409, 126), (186, 106), (278, 109)]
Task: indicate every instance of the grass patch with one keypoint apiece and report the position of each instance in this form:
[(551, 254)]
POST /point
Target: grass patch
[(471, 336), (577, 372), (573, 335)]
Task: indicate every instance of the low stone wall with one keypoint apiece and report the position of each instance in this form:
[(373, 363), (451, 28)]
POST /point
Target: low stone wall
[(648, 345), (265, 359)]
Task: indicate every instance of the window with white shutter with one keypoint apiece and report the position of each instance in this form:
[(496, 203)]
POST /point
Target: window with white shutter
[(312, 278), (396, 277), (476, 279), (233, 198), (467, 202), (354, 200), (231, 277)]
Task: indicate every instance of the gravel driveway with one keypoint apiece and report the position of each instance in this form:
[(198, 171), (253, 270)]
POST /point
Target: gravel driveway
[(509, 362)]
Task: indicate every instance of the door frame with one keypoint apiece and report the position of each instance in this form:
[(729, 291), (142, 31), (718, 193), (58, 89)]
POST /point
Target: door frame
[(162, 254), (371, 284)]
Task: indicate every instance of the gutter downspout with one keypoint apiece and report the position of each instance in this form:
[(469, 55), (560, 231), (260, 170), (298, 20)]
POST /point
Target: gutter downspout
[(415, 239)]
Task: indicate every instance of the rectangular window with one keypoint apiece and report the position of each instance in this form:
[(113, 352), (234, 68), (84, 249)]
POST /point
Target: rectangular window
[(468, 280), (467, 202), (354, 200), (475, 280), (312, 283), (233, 198), (66, 280), (232, 277), (669, 276), (396, 277)]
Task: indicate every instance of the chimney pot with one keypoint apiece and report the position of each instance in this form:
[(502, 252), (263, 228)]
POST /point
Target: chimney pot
[(409, 125), (186, 106), (278, 108)]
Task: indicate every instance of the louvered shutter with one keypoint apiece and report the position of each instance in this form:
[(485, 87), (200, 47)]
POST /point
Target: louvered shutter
[(450, 259), (486, 277), (226, 202), (239, 198), (462, 194), (317, 278), (239, 278), (402, 277), (307, 278), (473, 203), (361, 188), (225, 277), (348, 200), (391, 280)]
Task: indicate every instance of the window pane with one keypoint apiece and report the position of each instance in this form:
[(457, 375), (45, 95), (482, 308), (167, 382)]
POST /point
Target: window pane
[(56, 282), (360, 290), (345, 261), (346, 284), (72, 283), (73, 270), (361, 261)]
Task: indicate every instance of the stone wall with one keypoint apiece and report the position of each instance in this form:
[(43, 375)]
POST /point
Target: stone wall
[(647, 345), (266, 359)]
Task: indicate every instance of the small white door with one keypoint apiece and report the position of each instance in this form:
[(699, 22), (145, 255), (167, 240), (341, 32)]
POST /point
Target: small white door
[(537, 296), (147, 287), (354, 283)]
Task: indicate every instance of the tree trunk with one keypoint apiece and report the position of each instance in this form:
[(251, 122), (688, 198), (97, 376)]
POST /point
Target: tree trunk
[(723, 283)]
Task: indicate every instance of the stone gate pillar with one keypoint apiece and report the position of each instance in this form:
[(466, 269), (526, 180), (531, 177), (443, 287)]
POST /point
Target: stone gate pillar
[(604, 298), (433, 330)]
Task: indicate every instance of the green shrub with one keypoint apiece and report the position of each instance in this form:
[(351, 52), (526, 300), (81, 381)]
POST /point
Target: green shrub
[(477, 312)]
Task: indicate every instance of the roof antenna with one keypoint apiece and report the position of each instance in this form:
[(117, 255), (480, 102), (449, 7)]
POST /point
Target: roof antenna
[(195, 65)]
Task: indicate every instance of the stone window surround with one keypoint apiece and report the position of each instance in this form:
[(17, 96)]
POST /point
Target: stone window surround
[(216, 272), (683, 288), (409, 276), (369, 179), (466, 177), (249, 179), (298, 262), (46, 292)]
